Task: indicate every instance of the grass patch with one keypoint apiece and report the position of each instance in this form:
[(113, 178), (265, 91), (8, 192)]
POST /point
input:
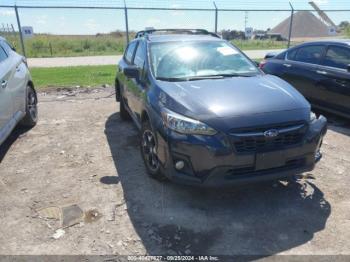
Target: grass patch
[(45, 45), (73, 76), (259, 44)]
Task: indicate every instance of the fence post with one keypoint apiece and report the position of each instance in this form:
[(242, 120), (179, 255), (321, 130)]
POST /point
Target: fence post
[(20, 31), (216, 18), (291, 24), (126, 22)]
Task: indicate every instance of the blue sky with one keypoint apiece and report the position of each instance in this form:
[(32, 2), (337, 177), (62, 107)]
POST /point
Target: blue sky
[(84, 21)]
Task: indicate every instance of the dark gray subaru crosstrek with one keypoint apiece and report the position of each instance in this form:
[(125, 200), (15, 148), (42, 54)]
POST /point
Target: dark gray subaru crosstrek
[(208, 116)]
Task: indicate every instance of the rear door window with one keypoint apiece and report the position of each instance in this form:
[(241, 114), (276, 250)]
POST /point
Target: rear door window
[(310, 54), (338, 57), (130, 51), (3, 55)]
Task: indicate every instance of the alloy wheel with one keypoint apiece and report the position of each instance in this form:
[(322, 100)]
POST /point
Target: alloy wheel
[(149, 150)]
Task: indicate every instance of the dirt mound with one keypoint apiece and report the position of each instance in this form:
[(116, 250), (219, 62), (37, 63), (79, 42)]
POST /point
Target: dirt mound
[(305, 24)]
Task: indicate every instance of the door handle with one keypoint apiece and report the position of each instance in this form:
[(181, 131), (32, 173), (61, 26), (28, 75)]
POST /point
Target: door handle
[(287, 65), (18, 68), (341, 82), (4, 84), (321, 72)]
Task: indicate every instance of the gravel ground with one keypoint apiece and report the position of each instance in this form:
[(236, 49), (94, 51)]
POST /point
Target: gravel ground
[(110, 60), (82, 154)]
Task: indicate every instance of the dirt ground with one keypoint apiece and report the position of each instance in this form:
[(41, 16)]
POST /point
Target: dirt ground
[(81, 153)]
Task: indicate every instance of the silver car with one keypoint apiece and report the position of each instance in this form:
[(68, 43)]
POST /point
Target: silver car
[(18, 99)]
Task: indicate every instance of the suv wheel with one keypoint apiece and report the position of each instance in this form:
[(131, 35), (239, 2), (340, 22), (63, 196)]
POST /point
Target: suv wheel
[(149, 153), (31, 117), (124, 114)]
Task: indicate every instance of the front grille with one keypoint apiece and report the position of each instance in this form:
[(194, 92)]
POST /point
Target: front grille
[(290, 164), (251, 142)]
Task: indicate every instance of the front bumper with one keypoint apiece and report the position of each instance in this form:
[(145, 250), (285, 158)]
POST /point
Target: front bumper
[(212, 161)]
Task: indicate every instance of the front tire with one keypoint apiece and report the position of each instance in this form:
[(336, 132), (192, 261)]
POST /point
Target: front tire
[(31, 117), (148, 145)]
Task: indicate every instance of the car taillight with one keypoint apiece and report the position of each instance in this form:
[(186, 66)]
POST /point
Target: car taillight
[(262, 64)]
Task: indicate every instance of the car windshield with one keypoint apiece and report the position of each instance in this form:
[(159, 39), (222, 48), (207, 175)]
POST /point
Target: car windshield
[(172, 61)]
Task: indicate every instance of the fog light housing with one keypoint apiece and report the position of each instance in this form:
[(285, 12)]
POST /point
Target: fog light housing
[(179, 165)]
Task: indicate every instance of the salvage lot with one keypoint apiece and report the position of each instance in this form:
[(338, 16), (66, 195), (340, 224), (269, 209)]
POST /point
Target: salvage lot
[(82, 153)]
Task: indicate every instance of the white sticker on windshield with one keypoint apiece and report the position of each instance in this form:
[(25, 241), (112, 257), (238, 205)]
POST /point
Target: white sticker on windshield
[(226, 50)]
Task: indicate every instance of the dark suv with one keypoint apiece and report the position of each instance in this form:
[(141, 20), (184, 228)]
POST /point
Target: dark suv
[(208, 116)]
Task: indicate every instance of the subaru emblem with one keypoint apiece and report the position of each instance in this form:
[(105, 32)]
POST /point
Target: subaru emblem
[(271, 133)]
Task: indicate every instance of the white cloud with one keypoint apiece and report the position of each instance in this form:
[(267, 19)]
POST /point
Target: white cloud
[(321, 2), (7, 13), (41, 20), (91, 24), (152, 22)]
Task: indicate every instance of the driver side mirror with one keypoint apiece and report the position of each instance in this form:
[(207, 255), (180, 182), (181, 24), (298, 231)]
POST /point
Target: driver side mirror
[(132, 72)]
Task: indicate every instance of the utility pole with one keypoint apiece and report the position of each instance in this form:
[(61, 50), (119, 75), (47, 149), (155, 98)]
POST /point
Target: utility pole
[(245, 20)]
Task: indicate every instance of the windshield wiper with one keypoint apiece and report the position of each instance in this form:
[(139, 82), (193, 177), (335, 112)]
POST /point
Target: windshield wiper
[(193, 78), (171, 79), (228, 75), (190, 78)]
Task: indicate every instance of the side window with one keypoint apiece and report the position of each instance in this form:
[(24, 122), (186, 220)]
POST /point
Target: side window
[(3, 55), (130, 51), (281, 56), (310, 54), (140, 55), (337, 56), (291, 54)]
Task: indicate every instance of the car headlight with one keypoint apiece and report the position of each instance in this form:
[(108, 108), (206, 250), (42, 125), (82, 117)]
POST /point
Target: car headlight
[(185, 125), (312, 116)]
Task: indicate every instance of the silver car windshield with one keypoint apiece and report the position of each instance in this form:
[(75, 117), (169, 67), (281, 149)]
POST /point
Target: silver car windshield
[(198, 59)]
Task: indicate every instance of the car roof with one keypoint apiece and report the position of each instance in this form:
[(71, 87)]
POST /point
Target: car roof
[(180, 37), (345, 42)]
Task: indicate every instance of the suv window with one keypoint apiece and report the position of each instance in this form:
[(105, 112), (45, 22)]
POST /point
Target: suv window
[(130, 51), (337, 56), (140, 55), (3, 55), (310, 54)]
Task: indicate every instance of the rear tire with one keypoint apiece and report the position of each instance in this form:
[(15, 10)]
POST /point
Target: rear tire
[(148, 146), (31, 117), (124, 114)]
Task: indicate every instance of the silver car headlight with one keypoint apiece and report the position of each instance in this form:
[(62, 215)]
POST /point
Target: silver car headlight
[(313, 116), (185, 125)]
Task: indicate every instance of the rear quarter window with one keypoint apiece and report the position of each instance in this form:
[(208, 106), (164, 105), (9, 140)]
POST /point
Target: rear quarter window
[(291, 54), (280, 56)]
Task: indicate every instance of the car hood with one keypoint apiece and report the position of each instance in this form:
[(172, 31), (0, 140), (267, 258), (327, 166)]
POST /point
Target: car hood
[(231, 98)]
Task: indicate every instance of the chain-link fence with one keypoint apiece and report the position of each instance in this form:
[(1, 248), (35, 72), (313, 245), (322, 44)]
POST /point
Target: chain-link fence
[(104, 27)]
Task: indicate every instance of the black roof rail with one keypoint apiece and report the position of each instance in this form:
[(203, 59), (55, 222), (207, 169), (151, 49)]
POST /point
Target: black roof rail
[(179, 31)]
